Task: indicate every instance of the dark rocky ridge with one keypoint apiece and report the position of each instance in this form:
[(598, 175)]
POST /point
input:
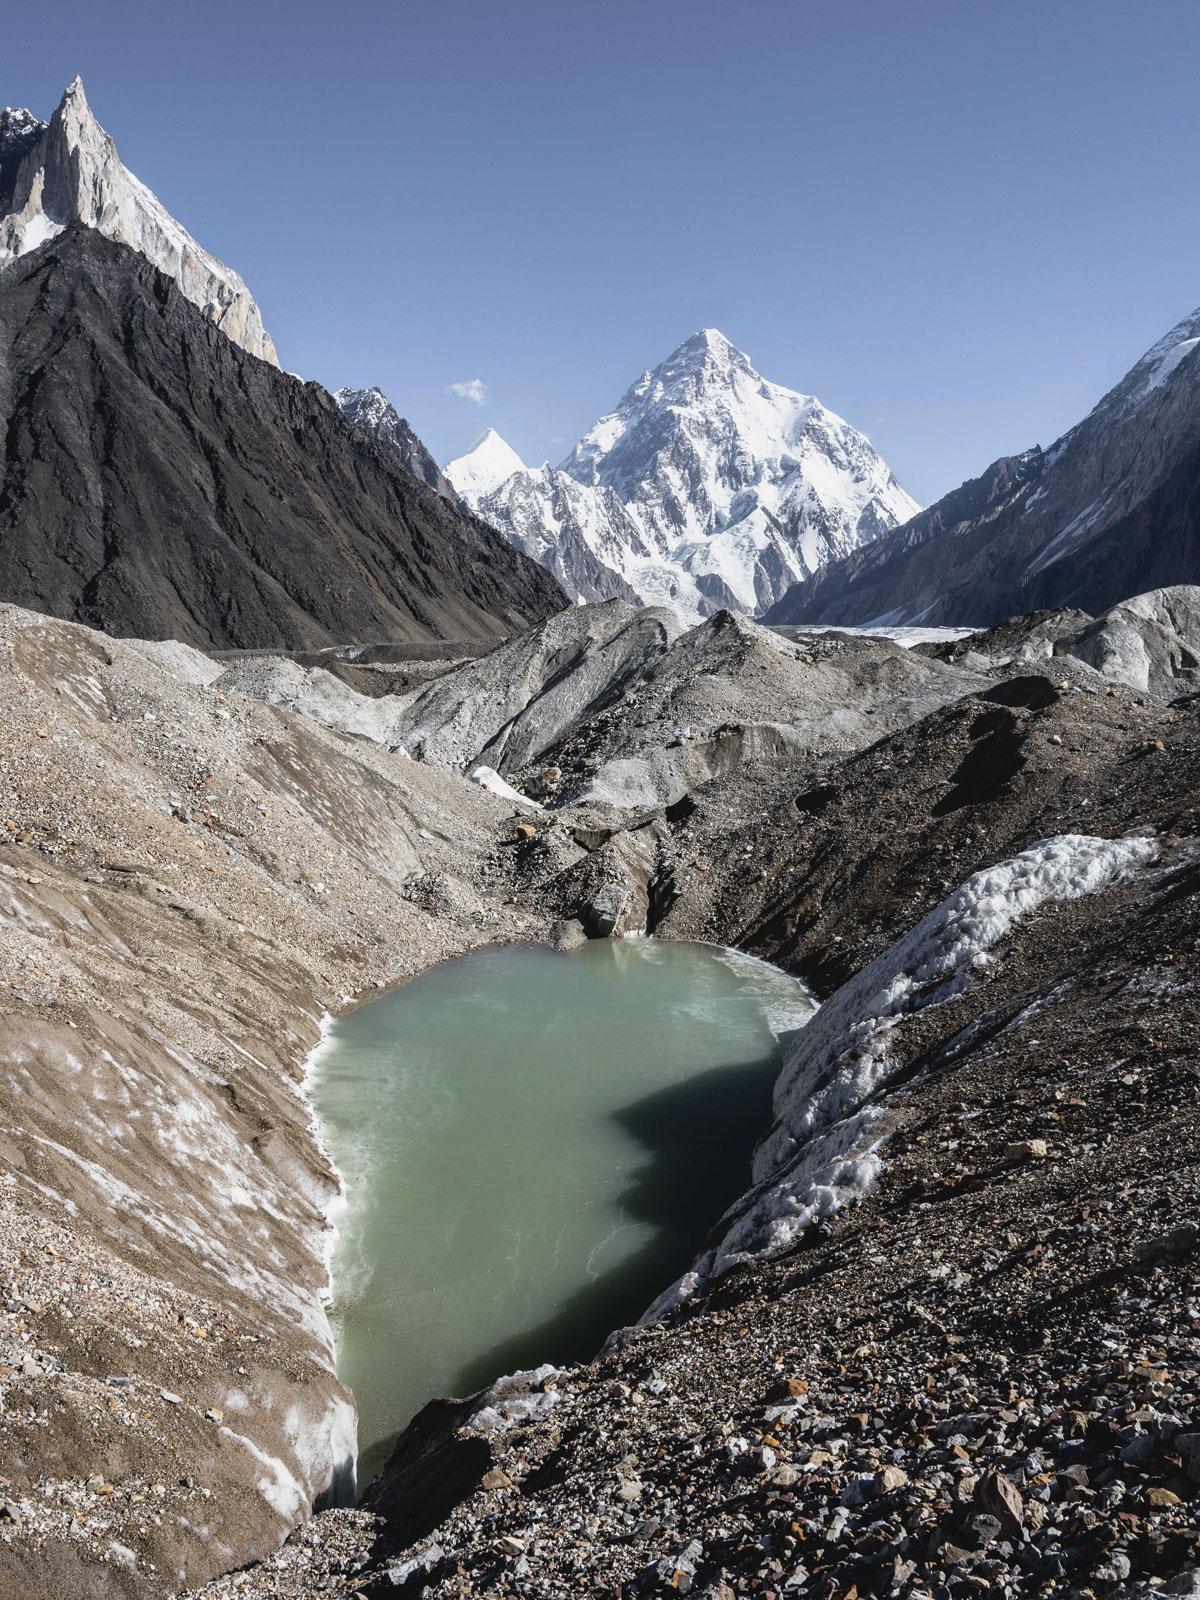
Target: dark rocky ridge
[(371, 410), (19, 131), (1113, 509), (161, 483)]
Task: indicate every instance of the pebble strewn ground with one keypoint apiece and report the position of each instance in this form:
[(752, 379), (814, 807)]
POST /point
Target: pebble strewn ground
[(982, 1380)]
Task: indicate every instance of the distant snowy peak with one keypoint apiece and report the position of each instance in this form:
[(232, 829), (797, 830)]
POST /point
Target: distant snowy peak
[(1158, 364), (705, 374), (706, 487), (374, 413), (484, 467), (68, 170)]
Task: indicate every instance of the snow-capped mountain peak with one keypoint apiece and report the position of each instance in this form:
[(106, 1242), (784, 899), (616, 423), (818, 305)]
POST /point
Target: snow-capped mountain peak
[(374, 413), (1155, 368), (706, 486), (68, 170), (372, 406), (484, 467)]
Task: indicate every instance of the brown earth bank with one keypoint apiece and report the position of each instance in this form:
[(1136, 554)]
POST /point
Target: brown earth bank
[(188, 883), (979, 1378)]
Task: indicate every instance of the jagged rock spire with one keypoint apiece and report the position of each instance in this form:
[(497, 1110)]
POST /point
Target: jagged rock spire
[(68, 170)]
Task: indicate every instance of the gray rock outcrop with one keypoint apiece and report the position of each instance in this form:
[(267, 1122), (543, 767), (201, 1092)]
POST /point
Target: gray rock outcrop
[(374, 413), (1150, 643)]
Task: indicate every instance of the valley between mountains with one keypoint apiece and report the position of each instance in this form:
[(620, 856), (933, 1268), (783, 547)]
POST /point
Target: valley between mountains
[(291, 714)]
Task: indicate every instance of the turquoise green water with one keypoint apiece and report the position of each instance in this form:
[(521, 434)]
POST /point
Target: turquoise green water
[(534, 1145)]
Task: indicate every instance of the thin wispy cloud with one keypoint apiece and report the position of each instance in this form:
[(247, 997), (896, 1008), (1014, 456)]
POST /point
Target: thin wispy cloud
[(474, 390)]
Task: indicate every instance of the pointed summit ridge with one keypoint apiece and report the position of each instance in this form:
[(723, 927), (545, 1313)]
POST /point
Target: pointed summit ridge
[(74, 97), (484, 467), (68, 170), (374, 413), (707, 487), (705, 345)]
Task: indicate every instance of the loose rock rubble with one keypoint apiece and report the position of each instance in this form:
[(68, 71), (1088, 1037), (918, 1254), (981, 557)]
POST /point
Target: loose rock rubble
[(981, 1379), (188, 880)]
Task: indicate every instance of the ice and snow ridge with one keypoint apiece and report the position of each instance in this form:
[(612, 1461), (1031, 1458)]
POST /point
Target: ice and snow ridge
[(824, 1150), (707, 487), (68, 170), (484, 467)]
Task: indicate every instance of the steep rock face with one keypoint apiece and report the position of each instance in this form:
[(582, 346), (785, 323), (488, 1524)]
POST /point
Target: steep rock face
[(1111, 509), (371, 410), (160, 482), (68, 170), (707, 487)]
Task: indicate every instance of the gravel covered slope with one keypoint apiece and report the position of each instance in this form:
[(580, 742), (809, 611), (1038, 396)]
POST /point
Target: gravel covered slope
[(188, 880)]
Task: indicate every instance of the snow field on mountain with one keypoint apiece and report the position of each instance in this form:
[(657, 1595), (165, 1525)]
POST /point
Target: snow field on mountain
[(707, 487)]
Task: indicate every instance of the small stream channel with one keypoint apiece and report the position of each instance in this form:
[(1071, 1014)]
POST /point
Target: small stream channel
[(534, 1145)]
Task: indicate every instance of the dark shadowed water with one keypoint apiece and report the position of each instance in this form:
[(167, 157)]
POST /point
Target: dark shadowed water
[(534, 1145)]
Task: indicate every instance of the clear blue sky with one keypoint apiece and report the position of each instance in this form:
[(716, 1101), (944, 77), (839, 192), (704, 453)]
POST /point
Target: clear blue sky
[(955, 222)]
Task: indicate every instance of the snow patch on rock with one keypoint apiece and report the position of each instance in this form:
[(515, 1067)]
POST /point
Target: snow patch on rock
[(515, 1399), (488, 778)]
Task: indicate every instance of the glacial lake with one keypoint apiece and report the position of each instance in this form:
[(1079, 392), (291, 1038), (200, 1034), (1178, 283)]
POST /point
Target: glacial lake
[(534, 1146)]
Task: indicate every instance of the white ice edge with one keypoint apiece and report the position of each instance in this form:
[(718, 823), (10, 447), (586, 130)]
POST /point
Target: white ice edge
[(824, 1149), (342, 1417), (334, 1208)]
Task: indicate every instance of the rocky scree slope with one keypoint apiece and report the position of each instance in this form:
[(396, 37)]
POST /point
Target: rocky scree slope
[(68, 170), (1110, 509), (371, 410), (160, 482), (1150, 643), (980, 1377), (622, 706), (707, 487), (189, 880)]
